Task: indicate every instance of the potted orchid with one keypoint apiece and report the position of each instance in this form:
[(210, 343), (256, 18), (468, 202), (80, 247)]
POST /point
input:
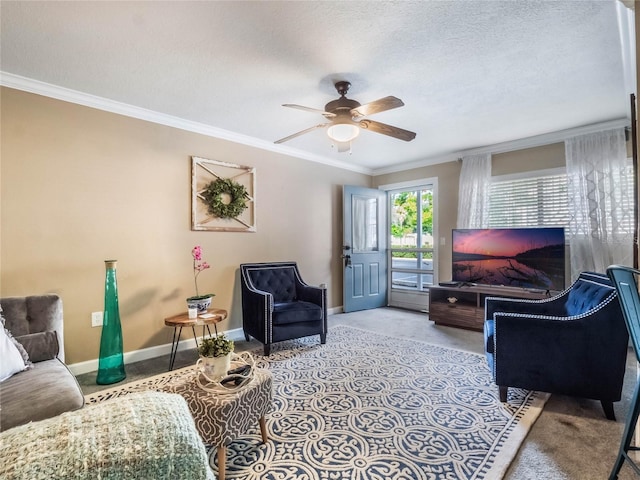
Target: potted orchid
[(201, 302)]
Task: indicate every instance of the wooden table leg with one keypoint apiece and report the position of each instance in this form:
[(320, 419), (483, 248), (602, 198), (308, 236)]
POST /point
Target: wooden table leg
[(222, 461), (263, 430)]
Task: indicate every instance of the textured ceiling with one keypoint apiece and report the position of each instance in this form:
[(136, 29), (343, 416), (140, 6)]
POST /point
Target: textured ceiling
[(471, 73)]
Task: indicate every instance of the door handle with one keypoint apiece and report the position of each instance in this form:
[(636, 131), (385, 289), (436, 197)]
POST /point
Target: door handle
[(347, 261)]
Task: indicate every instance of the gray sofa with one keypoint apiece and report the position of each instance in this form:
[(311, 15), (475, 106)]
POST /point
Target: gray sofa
[(48, 388)]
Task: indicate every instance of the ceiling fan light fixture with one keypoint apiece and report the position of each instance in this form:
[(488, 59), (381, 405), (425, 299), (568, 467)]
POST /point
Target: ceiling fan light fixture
[(345, 118), (343, 132)]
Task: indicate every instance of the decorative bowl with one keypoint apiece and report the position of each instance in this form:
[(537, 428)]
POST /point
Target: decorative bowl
[(201, 303)]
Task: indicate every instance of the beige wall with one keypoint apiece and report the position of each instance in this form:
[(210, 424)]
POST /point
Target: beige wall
[(448, 175), (538, 158), (79, 186)]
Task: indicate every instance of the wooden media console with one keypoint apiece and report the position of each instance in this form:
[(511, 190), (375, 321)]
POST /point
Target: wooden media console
[(467, 310)]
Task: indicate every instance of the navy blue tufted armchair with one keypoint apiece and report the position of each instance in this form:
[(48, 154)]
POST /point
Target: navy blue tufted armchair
[(278, 305), (572, 344)]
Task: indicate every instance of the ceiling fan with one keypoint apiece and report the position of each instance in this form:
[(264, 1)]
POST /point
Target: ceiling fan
[(345, 119)]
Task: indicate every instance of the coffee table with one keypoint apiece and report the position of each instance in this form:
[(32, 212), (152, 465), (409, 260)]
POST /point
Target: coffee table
[(214, 316), (219, 419)]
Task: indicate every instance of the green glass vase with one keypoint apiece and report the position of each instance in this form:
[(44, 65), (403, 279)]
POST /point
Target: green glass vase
[(111, 363)]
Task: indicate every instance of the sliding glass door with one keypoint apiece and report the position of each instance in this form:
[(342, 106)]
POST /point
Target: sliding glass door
[(412, 253)]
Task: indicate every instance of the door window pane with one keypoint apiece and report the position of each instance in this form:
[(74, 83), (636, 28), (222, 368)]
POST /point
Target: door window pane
[(426, 201), (403, 219), (412, 260), (401, 259), (364, 215), (411, 281), (411, 238)]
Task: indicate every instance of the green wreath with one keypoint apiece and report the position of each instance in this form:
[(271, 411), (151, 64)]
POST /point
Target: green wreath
[(213, 199)]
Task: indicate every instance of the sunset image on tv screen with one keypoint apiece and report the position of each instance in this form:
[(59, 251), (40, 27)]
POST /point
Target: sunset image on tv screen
[(517, 257)]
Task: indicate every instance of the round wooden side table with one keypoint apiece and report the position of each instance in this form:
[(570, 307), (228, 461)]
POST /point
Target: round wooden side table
[(213, 316)]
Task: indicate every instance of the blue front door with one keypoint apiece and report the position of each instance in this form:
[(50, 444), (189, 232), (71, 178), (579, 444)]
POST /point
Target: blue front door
[(364, 248)]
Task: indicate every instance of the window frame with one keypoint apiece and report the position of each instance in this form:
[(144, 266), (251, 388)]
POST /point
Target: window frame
[(404, 298)]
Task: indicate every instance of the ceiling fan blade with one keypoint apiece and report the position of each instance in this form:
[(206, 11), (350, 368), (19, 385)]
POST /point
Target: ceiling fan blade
[(286, 139), (385, 129), (309, 109), (386, 103)]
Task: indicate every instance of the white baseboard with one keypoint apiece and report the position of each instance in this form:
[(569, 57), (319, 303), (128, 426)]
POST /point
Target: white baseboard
[(159, 350), (150, 352)]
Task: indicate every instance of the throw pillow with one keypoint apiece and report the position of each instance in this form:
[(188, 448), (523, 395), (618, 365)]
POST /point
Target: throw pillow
[(40, 346), (19, 346), (12, 361)]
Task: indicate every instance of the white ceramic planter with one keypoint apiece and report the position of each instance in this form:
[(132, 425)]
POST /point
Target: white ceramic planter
[(214, 368)]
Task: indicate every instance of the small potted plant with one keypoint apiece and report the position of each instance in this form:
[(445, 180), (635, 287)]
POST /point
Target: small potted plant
[(201, 302), (215, 356)]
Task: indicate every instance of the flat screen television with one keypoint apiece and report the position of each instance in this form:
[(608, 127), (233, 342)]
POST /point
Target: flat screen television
[(532, 258)]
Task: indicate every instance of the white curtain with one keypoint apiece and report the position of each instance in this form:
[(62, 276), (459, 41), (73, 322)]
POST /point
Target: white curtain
[(473, 193), (600, 229)]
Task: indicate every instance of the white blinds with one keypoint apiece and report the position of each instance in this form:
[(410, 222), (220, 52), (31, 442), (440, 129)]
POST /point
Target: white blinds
[(529, 202)]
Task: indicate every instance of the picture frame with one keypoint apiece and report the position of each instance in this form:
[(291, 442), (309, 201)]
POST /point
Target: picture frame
[(224, 188)]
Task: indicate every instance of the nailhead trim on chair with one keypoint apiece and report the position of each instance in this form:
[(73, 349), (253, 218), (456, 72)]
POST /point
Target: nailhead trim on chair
[(613, 295), (268, 308)]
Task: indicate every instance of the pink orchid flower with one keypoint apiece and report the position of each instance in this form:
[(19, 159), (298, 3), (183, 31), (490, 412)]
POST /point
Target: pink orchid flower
[(198, 265)]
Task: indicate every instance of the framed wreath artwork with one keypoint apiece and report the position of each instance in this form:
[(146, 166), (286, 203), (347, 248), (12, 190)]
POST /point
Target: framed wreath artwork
[(222, 196)]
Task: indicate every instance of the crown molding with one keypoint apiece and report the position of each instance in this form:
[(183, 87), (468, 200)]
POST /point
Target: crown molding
[(73, 96), (510, 146), (25, 84)]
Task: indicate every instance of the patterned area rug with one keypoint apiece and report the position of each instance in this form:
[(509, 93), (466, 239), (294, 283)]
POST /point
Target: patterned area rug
[(367, 406)]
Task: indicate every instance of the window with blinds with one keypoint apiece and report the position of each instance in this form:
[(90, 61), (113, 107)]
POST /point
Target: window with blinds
[(542, 201), (539, 201)]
